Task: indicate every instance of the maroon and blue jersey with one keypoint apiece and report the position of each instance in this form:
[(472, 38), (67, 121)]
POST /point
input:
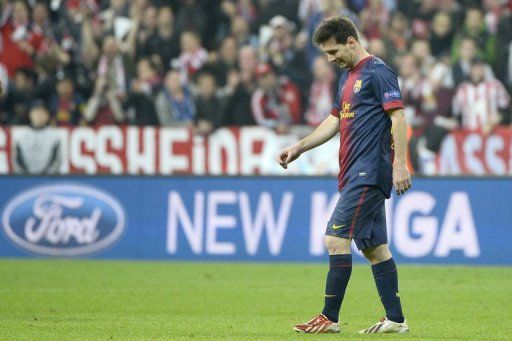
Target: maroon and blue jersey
[(364, 95)]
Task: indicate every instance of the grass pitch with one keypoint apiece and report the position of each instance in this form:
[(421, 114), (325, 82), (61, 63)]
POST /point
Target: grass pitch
[(83, 300)]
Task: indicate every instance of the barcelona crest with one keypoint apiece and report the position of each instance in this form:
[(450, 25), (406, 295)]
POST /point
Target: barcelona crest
[(357, 86)]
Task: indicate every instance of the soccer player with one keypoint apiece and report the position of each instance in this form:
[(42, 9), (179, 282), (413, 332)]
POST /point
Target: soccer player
[(368, 113)]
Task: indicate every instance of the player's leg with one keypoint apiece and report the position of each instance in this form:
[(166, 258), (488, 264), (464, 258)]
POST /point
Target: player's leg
[(349, 213), (376, 250), (386, 279), (377, 254), (337, 243), (340, 269)]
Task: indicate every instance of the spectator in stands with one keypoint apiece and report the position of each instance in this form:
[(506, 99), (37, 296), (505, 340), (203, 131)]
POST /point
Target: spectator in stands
[(462, 68), (208, 104), (503, 65), (53, 61), (150, 22), (225, 14), (374, 19), (89, 32), (42, 26), (37, 150), (321, 92), (69, 24), (140, 108), (441, 34), (19, 42), (66, 106), (411, 81), (239, 89), (112, 67), (420, 49), (225, 61), (281, 52), (307, 8), (63, 54), (267, 9), (163, 46), (492, 12), (436, 94), (191, 16), (247, 10), (454, 9), (175, 104), (441, 83), (427, 102), (480, 102), (193, 56), (46, 68), (241, 31), (397, 36), (147, 80), (475, 28), (133, 42), (281, 39), (421, 14), (105, 105), (108, 17), (276, 101), (130, 42), (19, 97)]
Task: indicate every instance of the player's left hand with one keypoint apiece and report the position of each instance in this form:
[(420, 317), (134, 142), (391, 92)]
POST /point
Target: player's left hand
[(401, 178)]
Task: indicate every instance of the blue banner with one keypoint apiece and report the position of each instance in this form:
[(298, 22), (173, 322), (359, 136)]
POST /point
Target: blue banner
[(463, 221)]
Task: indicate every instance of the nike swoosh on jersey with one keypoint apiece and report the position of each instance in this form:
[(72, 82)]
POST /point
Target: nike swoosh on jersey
[(335, 227)]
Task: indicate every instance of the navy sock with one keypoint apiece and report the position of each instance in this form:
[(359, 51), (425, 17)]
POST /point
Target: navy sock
[(337, 279), (386, 279)]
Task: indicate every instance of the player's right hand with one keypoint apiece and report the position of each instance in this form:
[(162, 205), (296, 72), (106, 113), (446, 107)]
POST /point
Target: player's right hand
[(288, 155)]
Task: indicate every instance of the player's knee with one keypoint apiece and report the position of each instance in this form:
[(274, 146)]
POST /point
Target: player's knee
[(336, 245), (377, 254), (368, 253)]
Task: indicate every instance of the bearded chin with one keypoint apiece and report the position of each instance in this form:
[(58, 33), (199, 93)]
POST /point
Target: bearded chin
[(342, 66)]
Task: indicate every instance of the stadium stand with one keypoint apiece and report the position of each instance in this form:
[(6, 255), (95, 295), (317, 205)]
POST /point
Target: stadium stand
[(206, 65)]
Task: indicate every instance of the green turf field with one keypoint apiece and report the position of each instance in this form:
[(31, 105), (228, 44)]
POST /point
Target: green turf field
[(82, 300)]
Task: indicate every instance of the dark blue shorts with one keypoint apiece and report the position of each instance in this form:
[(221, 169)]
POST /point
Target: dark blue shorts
[(360, 215)]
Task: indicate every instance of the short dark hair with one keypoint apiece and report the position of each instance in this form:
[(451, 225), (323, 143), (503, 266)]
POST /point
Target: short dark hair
[(38, 104), (338, 27)]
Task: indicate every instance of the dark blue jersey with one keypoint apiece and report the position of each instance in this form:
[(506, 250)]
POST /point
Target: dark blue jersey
[(364, 95)]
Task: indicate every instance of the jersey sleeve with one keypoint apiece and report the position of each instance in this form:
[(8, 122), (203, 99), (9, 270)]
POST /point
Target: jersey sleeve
[(385, 86)]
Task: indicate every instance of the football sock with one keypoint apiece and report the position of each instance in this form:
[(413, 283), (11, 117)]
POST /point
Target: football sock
[(386, 279), (337, 279)]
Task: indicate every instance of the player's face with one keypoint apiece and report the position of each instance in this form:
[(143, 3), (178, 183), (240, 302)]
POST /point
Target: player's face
[(340, 54)]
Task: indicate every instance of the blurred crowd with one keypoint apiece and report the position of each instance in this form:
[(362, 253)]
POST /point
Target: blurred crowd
[(205, 64)]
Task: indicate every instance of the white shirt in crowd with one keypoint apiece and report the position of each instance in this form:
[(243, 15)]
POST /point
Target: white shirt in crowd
[(36, 151), (479, 104)]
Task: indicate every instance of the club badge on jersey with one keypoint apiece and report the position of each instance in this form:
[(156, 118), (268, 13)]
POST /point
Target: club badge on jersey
[(357, 86)]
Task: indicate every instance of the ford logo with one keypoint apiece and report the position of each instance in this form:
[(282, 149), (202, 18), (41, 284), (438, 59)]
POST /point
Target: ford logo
[(63, 220)]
